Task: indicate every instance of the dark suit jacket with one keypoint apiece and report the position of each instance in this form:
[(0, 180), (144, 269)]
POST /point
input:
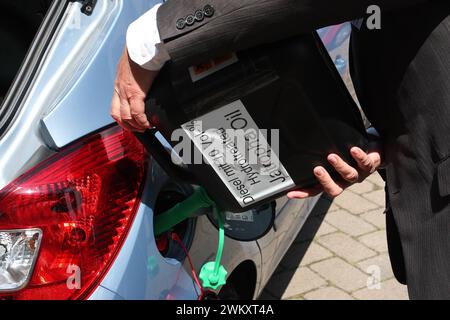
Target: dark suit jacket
[(402, 77), (240, 24)]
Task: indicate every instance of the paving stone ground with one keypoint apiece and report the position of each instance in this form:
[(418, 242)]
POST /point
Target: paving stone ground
[(344, 250)]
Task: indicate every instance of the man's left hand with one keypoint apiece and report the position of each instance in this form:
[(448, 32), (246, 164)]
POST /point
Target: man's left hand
[(368, 163)]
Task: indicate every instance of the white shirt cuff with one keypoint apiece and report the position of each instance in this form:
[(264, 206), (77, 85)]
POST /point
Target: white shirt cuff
[(144, 43)]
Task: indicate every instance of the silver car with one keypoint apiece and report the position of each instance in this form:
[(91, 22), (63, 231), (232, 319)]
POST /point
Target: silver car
[(78, 195)]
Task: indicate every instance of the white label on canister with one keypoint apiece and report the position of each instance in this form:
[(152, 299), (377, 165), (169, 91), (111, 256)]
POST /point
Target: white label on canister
[(246, 216), (203, 70), (233, 145)]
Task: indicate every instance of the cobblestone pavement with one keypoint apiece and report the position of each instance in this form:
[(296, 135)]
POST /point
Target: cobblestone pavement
[(341, 252)]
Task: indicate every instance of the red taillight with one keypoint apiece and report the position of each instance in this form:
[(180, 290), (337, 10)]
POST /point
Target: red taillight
[(83, 200)]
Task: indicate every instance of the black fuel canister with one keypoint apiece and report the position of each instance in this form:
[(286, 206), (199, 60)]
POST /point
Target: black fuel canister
[(252, 125)]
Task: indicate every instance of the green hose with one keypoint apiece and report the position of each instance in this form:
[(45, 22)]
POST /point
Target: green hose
[(221, 240), (213, 274), (182, 211)]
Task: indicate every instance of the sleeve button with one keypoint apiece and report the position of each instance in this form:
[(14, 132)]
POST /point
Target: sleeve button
[(199, 15), (208, 10), (190, 19), (181, 23)]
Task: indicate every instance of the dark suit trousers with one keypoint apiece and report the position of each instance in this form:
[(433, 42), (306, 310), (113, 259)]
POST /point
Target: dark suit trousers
[(402, 76)]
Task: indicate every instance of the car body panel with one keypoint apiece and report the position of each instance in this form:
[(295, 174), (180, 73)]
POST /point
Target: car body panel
[(290, 219), (204, 249), (71, 93), (89, 97), (140, 272), (102, 293)]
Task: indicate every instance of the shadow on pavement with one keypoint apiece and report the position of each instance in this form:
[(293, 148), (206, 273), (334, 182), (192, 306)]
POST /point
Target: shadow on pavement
[(276, 287)]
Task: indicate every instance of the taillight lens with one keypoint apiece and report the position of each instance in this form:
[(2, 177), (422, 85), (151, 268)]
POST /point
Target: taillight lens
[(69, 216)]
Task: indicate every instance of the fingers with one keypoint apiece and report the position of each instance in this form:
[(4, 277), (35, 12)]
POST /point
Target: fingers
[(347, 172), (366, 162), (131, 86), (125, 115), (328, 184), (138, 113), (125, 111), (305, 193), (115, 108), (127, 120), (116, 113)]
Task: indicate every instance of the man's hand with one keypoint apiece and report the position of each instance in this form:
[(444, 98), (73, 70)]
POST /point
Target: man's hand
[(130, 89), (368, 163)]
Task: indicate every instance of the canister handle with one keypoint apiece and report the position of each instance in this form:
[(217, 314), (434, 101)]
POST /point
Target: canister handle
[(158, 152)]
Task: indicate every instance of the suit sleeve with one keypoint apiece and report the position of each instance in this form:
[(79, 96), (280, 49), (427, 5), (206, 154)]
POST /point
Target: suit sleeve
[(234, 25)]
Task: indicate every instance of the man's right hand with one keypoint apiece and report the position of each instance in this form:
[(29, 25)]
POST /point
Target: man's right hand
[(130, 89)]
